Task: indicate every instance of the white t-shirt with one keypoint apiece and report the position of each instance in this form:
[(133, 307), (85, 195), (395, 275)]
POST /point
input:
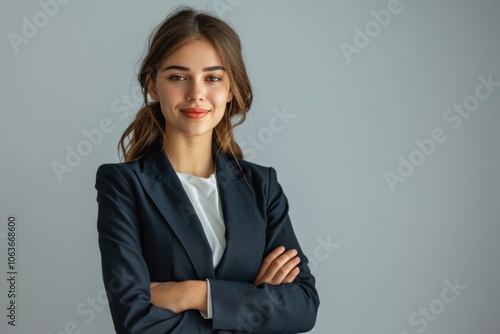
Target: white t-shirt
[(204, 197)]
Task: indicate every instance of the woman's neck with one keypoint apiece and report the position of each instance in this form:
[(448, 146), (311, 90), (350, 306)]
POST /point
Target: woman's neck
[(190, 155)]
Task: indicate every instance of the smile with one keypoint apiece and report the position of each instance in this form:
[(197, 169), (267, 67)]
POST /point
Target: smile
[(194, 113)]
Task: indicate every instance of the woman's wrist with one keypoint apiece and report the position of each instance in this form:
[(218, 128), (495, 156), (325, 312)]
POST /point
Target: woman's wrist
[(194, 295)]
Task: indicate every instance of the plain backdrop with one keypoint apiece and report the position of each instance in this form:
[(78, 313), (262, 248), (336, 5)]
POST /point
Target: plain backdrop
[(374, 113)]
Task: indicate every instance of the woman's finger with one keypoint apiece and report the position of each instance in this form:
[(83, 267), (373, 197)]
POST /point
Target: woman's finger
[(292, 275), (279, 262), (285, 270), (268, 260)]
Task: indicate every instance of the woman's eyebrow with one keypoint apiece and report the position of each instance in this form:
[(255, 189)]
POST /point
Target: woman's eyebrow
[(187, 69)]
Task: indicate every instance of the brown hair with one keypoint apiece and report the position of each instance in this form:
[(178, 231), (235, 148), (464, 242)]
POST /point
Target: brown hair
[(180, 27)]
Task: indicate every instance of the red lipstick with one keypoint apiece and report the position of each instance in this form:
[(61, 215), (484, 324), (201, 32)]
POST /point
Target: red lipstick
[(194, 113)]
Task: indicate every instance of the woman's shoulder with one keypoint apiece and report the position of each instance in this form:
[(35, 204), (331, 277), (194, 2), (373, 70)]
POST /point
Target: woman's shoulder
[(236, 163), (257, 168), (153, 159), (117, 172), (252, 170), (119, 166)]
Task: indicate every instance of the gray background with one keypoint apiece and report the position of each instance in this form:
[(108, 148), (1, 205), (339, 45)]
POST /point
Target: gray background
[(390, 250)]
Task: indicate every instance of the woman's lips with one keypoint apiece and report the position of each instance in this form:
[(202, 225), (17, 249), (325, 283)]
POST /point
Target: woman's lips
[(194, 113)]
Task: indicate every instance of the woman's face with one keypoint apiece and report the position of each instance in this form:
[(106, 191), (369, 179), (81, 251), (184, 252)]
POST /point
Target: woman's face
[(193, 88)]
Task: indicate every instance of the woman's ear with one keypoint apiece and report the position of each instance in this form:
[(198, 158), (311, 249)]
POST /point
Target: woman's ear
[(229, 96), (152, 91)]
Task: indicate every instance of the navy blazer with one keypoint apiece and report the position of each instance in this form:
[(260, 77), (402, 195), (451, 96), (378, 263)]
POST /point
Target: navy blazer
[(149, 231)]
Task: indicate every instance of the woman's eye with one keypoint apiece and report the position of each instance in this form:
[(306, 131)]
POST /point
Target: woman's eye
[(213, 78), (176, 78)]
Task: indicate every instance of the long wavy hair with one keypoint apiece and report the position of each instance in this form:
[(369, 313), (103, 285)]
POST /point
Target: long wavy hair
[(180, 27)]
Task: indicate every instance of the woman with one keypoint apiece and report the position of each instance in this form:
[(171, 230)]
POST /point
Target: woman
[(194, 239)]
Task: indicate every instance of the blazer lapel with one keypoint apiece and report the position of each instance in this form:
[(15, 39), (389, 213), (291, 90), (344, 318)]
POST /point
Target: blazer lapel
[(165, 189), (240, 217)]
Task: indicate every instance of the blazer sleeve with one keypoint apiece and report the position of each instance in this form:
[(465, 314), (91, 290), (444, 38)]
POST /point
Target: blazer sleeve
[(285, 308), (125, 273)]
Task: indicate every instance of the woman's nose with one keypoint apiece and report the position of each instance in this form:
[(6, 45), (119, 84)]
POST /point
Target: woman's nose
[(196, 91)]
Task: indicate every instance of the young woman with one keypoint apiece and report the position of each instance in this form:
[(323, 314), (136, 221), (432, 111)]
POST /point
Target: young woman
[(193, 238)]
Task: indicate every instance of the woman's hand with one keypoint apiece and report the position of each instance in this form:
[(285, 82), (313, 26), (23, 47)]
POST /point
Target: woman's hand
[(179, 296), (167, 295), (278, 267)]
